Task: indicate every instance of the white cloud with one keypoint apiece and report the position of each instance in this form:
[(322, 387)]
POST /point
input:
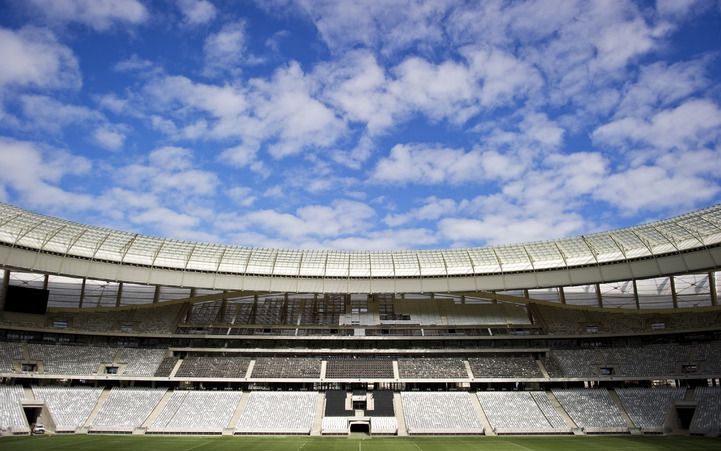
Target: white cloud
[(694, 123), (97, 14), (226, 49), (433, 208), (33, 57), (48, 114), (339, 218), (111, 138), (655, 188), (241, 196), (48, 169), (197, 12), (421, 164)]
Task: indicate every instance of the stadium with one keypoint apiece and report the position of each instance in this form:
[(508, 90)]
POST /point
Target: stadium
[(107, 332)]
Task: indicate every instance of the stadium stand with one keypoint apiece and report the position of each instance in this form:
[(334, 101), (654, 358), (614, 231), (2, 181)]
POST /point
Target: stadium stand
[(286, 368), (335, 404), (382, 404), (207, 412), (165, 367), (278, 413), (504, 366), (69, 406), (334, 425), (359, 368), (520, 413), (140, 362), (213, 366), (9, 352), (71, 360), (707, 417), (12, 418), (440, 413), (649, 408), (384, 425), (432, 368), (126, 408), (592, 410)]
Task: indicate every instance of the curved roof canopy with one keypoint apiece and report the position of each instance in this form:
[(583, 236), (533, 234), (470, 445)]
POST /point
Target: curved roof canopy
[(685, 243)]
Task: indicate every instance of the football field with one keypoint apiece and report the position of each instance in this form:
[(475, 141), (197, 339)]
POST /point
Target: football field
[(140, 443)]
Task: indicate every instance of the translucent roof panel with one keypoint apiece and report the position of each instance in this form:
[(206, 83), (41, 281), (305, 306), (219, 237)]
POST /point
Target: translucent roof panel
[(457, 262), (174, 254), (710, 232), (313, 264), (234, 260), (43, 233), (681, 237), (287, 262), (359, 265), (337, 264), (484, 261), (576, 252), (432, 264), (205, 257), (513, 258), (604, 246), (631, 244), (406, 264), (143, 251), (545, 255), (261, 262), (381, 264)]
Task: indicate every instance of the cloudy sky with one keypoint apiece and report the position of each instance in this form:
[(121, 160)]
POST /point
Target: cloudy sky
[(379, 124)]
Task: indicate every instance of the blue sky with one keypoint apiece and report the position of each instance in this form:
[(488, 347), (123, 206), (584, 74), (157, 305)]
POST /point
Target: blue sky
[(360, 125)]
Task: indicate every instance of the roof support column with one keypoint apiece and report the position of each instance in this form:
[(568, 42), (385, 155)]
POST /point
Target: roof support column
[(120, 294), (525, 293), (156, 295), (635, 295), (45, 281), (599, 298), (712, 288), (674, 296), (82, 293), (4, 289), (562, 295)]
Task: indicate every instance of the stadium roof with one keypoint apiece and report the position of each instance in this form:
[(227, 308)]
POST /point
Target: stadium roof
[(30, 241)]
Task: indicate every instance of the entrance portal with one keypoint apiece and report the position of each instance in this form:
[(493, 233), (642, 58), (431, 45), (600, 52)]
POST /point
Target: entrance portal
[(360, 427)]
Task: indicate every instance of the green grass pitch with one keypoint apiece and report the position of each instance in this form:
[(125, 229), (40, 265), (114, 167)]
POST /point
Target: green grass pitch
[(162, 443)]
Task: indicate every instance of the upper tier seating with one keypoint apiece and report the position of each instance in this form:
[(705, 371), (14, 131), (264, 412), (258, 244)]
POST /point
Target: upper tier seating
[(71, 360), (140, 362), (165, 367), (360, 368), (432, 368), (648, 408), (12, 417), (440, 413), (213, 366), (592, 410), (69, 406), (707, 418), (197, 411), (504, 366), (8, 353), (519, 413), (126, 408), (286, 368), (655, 360), (278, 413)]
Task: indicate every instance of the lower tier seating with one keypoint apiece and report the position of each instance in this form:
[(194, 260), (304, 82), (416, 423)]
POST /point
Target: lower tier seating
[(649, 408), (12, 418), (707, 417), (126, 408), (440, 413), (592, 410), (521, 413), (278, 413), (197, 411), (70, 407)]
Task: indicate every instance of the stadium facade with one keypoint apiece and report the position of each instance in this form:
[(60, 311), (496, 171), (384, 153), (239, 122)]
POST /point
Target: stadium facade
[(112, 332)]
